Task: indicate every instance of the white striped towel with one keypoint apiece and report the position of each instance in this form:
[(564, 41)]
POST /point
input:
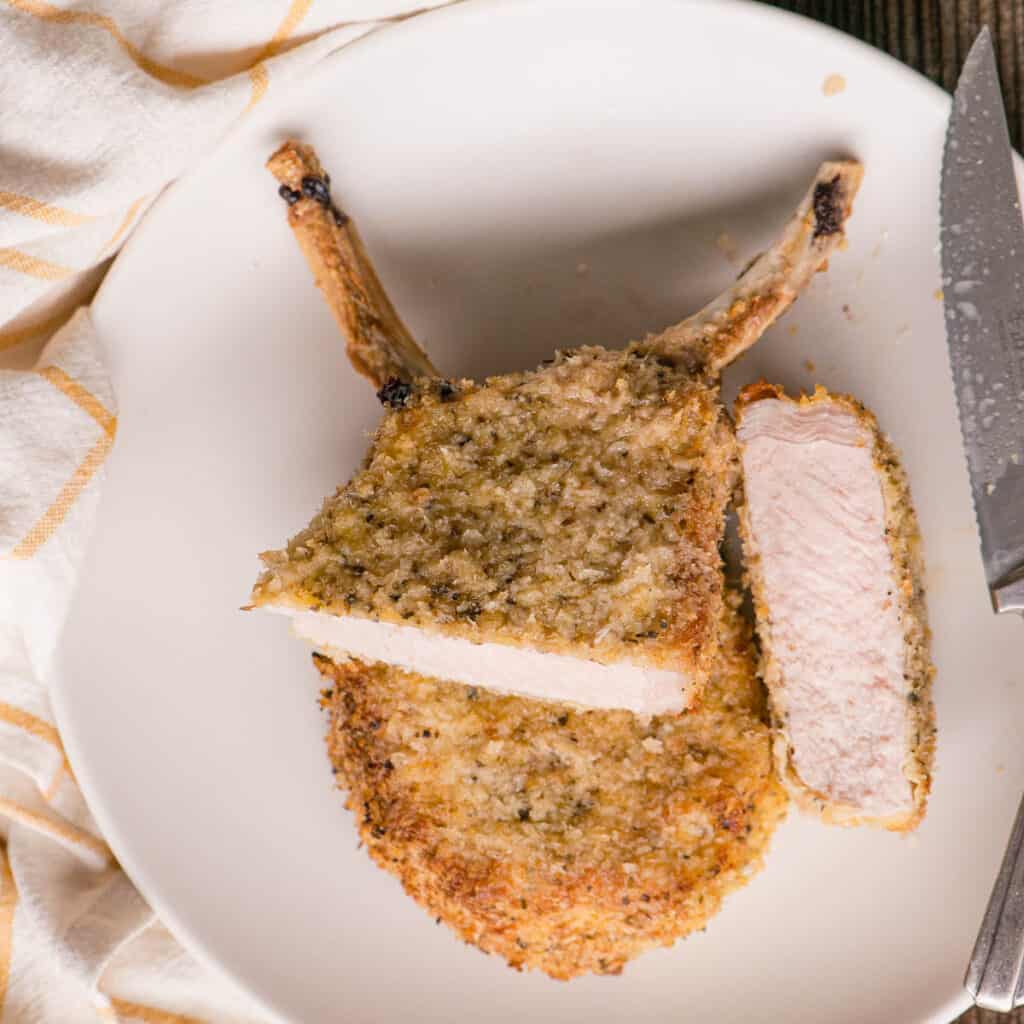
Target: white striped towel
[(103, 102)]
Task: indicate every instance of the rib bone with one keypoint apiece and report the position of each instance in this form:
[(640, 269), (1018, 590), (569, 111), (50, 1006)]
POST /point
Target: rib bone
[(379, 345), (381, 348), (725, 328)]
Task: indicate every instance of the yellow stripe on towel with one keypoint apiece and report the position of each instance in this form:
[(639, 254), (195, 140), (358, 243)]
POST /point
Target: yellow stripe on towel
[(59, 830), (26, 206), (82, 397), (57, 512), (258, 73), (33, 266), (126, 1010), (8, 904), (60, 16)]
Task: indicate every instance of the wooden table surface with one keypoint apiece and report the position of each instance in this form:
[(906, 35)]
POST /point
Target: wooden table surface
[(934, 36)]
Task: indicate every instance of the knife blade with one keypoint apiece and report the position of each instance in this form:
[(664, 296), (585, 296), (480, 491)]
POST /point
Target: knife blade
[(982, 238), (983, 292)]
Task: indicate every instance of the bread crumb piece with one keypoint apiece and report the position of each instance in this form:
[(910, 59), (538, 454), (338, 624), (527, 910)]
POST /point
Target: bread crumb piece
[(794, 329), (833, 85), (809, 365), (726, 245)]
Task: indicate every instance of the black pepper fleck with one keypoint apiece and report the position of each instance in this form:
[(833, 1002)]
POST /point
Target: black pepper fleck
[(289, 195), (470, 611)]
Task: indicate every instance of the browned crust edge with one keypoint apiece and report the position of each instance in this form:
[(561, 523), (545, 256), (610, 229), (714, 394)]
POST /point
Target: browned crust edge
[(379, 345), (579, 920), (904, 539)]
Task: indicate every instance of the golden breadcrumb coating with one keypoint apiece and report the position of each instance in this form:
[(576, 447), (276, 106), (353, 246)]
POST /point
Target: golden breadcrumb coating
[(575, 509), (567, 841)]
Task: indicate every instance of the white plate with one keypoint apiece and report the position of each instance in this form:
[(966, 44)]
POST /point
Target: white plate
[(526, 175)]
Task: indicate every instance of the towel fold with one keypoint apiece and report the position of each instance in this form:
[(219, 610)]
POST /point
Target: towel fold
[(104, 104)]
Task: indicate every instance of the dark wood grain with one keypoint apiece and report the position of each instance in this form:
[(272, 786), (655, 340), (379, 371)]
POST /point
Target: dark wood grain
[(934, 36)]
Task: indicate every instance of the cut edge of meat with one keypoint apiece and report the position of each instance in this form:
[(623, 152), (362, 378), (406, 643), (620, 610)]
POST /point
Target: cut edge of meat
[(904, 543), (503, 668)]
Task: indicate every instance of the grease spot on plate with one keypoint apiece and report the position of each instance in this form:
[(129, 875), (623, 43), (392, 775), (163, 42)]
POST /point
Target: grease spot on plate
[(833, 85), (727, 246)]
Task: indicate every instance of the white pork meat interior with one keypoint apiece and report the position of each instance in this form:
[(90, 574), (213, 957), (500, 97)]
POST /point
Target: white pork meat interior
[(522, 671), (817, 518)]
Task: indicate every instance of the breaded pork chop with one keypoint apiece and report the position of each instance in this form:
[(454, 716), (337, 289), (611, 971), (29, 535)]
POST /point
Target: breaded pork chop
[(832, 549), (553, 533), (563, 840)]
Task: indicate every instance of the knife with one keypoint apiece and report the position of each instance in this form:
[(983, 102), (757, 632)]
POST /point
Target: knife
[(982, 237)]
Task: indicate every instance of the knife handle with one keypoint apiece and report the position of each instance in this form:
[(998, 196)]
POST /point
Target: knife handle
[(997, 963)]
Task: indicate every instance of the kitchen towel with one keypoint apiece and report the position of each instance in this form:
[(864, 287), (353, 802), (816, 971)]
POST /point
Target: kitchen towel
[(102, 105)]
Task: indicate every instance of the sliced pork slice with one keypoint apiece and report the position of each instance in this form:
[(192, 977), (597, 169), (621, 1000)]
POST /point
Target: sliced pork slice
[(553, 533), (832, 550)]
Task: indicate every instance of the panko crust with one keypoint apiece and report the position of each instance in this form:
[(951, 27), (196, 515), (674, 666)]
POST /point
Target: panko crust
[(565, 841), (576, 509), (904, 540)]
